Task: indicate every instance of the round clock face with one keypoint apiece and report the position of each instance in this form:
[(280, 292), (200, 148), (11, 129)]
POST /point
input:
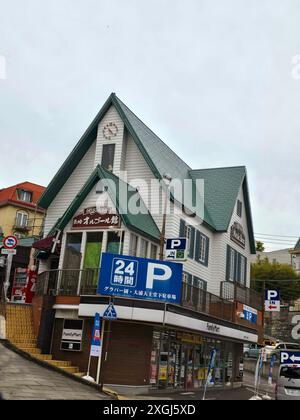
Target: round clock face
[(110, 130)]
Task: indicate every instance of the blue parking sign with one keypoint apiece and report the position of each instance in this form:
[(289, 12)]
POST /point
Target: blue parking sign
[(140, 278)]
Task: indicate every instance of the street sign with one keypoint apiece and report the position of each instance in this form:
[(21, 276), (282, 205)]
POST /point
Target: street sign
[(140, 278), (272, 301), (176, 249), (8, 251), (110, 314), (10, 242), (250, 314), (290, 357)]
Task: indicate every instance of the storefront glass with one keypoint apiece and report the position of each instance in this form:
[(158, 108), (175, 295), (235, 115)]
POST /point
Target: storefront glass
[(180, 360)]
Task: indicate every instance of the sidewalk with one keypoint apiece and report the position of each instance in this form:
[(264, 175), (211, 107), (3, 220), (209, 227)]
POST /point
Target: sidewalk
[(22, 379)]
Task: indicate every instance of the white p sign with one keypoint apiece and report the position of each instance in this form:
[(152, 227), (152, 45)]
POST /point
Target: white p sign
[(284, 357), (175, 243), (157, 272), (272, 295)]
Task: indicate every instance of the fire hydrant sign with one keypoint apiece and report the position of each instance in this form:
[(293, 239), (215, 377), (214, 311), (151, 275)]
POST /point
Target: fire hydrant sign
[(140, 278), (272, 301)]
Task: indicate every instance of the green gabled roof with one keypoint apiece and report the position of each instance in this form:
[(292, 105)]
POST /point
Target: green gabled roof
[(142, 223), (221, 185), (163, 159), (160, 158), (221, 189)]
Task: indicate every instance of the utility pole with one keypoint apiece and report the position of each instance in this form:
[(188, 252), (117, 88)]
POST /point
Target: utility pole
[(168, 180)]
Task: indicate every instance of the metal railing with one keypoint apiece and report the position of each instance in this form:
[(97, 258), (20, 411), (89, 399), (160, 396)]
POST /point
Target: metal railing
[(84, 282), (201, 301), (237, 293), (68, 282)]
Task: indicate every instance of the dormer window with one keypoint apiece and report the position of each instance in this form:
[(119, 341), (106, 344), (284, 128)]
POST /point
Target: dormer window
[(25, 196)]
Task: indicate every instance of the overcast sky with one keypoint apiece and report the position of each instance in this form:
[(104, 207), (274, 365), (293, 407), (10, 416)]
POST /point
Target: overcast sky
[(213, 78)]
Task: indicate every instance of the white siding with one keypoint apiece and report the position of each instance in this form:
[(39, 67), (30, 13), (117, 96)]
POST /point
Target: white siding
[(111, 116), (221, 240), (68, 192)]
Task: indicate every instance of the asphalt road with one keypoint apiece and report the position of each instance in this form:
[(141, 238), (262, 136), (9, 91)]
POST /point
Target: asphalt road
[(21, 379)]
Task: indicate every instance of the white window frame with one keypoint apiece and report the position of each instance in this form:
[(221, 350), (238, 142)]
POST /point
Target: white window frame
[(203, 248), (144, 248), (23, 215), (132, 235), (232, 265), (25, 196), (243, 278)]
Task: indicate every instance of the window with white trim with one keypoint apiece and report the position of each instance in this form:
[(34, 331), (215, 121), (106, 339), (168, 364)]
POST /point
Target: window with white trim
[(21, 219), (242, 274), (153, 252), (24, 195), (144, 248), (232, 265), (133, 245), (203, 248)]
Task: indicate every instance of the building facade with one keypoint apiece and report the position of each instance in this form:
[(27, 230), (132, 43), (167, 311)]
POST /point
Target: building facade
[(19, 213), (153, 344)]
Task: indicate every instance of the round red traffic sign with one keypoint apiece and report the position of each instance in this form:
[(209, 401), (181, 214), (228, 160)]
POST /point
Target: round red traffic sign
[(10, 242)]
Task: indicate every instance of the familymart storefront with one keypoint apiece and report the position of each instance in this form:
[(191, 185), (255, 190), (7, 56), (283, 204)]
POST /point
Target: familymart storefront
[(158, 346)]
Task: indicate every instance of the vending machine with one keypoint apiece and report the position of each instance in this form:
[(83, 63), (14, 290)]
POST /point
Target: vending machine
[(24, 285)]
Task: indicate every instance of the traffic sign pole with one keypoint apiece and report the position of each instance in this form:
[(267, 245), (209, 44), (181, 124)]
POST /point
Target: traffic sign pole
[(8, 271), (101, 351)]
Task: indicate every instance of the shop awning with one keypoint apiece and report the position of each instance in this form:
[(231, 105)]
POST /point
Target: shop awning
[(45, 244)]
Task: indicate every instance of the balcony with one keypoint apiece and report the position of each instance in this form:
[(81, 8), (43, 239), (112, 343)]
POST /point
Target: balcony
[(84, 282)]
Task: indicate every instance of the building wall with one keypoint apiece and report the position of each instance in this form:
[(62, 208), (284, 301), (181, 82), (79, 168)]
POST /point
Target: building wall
[(129, 158), (70, 189), (8, 216), (128, 348)]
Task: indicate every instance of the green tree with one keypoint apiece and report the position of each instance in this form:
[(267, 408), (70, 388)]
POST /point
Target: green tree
[(273, 276), (260, 246)]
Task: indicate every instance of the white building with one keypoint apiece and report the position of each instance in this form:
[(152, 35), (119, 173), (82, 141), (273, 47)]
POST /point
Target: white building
[(118, 147)]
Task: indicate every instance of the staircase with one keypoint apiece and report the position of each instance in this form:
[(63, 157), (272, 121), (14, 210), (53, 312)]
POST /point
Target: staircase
[(20, 332)]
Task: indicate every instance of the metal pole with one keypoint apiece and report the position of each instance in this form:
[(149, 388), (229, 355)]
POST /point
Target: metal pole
[(100, 355), (7, 279)]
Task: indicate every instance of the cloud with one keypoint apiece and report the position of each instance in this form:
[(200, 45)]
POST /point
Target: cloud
[(213, 79)]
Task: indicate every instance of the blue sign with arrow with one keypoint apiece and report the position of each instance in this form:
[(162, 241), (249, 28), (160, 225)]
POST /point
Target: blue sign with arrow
[(110, 314), (290, 357)]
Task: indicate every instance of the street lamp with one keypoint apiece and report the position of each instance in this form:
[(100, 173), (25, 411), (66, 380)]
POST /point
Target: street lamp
[(167, 179)]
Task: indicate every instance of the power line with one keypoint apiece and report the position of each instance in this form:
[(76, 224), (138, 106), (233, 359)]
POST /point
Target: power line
[(279, 236)]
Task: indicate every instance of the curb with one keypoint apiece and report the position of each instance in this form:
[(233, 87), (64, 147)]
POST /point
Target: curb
[(12, 347)]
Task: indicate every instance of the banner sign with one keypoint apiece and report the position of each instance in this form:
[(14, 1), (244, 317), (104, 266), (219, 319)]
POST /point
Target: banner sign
[(91, 219), (140, 278), (96, 337)]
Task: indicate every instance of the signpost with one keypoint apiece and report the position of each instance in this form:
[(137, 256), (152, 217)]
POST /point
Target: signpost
[(272, 301), (176, 249), (140, 278), (96, 346), (10, 244)]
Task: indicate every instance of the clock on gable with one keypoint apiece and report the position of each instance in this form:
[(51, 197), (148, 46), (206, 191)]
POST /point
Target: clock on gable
[(110, 131)]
